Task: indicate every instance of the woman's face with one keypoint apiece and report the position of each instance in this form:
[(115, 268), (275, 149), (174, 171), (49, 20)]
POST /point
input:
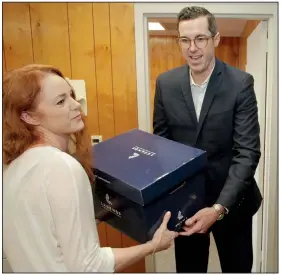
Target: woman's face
[(56, 111)]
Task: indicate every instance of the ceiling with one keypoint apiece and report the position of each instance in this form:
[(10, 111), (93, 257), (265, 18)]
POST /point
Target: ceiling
[(227, 27)]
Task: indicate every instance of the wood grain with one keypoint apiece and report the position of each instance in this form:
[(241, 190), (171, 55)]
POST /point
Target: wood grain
[(123, 66), (17, 39), (82, 57), (50, 35), (103, 60)]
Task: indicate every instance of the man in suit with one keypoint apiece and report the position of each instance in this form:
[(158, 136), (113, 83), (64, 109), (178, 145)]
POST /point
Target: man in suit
[(212, 106)]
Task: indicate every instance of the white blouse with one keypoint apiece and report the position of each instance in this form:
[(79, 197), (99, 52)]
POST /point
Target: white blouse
[(48, 215)]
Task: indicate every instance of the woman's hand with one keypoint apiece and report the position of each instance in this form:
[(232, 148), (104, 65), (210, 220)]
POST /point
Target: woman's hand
[(163, 238)]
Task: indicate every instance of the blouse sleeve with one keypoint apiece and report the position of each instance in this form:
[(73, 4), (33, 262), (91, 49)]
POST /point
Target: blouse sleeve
[(69, 193)]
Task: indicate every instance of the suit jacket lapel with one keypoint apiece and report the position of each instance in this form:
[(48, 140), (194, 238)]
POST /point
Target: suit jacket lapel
[(187, 94), (212, 89)]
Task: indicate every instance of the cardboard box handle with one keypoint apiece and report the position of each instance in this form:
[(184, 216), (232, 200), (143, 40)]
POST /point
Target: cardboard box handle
[(177, 188), (104, 180)]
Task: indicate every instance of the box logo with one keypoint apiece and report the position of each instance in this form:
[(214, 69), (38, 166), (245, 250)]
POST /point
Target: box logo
[(143, 151), (179, 216), (180, 220), (109, 207), (108, 199), (135, 155)]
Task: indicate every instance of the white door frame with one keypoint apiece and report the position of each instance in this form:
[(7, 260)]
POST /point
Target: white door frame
[(266, 11), (258, 69)]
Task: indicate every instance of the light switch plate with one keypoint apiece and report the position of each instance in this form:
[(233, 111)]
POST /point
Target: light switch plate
[(96, 139)]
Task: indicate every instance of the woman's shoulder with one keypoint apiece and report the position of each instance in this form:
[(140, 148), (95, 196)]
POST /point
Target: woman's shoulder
[(55, 157), (52, 159)]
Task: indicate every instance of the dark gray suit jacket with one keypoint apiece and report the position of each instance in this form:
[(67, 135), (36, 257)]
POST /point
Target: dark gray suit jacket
[(228, 130)]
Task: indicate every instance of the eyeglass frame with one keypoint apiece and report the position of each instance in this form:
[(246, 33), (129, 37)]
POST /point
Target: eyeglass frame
[(199, 36)]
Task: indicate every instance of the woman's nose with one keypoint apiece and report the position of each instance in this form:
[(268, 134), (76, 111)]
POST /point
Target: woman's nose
[(75, 104)]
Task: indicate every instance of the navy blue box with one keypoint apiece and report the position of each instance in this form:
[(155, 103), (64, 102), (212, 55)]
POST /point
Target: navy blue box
[(140, 176)]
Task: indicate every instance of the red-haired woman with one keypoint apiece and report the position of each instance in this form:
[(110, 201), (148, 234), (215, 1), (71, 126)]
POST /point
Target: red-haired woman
[(48, 213)]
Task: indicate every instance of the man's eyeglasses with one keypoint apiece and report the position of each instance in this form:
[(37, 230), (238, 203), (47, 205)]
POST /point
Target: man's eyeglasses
[(200, 42)]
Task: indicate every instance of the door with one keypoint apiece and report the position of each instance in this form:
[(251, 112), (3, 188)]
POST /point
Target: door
[(256, 66)]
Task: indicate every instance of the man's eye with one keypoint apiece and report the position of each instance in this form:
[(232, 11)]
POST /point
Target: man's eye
[(61, 102)]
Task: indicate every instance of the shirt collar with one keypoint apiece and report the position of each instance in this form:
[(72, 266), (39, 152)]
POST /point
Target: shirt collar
[(205, 82)]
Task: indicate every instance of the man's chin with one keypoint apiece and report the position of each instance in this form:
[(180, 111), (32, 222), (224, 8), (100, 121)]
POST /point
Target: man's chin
[(199, 68)]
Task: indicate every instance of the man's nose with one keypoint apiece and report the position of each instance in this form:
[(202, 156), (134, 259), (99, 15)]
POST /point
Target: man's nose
[(193, 47)]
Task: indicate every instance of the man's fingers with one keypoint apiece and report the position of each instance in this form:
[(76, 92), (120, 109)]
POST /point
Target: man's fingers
[(186, 228), (191, 230), (191, 221)]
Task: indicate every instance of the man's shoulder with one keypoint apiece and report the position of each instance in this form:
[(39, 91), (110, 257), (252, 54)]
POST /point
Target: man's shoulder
[(234, 73)]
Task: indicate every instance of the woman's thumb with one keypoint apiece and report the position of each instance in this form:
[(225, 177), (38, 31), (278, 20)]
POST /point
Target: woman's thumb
[(166, 219)]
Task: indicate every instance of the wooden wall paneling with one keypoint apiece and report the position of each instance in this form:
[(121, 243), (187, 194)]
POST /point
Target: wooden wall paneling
[(164, 55), (170, 53), (152, 73), (3, 63), (103, 60), (50, 35), (82, 57), (17, 40), (158, 63), (178, 59), (228, 50), (123, 66)]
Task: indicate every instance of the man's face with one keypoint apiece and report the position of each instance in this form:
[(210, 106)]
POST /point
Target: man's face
[(197, 44)]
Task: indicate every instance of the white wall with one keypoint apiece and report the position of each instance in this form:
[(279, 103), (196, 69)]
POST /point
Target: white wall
[(5, 264)]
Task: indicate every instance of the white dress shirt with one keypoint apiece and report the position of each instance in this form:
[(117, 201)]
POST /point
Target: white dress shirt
[(198, 93)]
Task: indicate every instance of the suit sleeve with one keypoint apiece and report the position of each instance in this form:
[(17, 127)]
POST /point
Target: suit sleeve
[(246, 146), (160, 121)]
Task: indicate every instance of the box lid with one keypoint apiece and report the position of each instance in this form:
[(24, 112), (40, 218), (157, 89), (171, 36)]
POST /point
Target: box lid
[(142, 166)]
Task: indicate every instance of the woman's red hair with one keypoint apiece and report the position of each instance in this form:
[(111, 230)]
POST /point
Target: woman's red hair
[(20, 88)]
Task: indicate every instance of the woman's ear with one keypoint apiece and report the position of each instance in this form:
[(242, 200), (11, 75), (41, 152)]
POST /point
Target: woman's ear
[(27, 118)]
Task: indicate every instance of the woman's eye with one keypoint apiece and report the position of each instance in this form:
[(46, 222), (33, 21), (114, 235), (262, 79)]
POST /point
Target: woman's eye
[(61, 102)]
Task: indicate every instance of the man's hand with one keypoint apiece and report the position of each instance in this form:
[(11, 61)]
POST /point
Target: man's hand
[(200, 222)]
